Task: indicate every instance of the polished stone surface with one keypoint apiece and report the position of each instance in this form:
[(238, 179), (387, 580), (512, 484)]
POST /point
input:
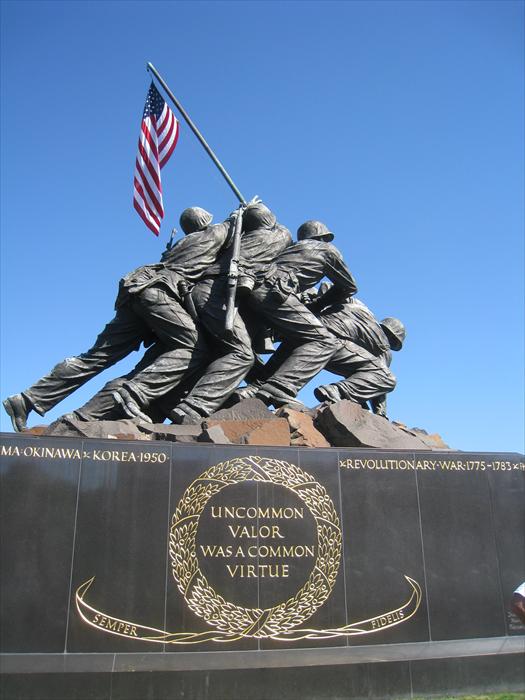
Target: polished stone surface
[(321, 467), (106, 511), (38, 491), (276, 658), (469, 675), (401, 679), (462, 574), (263, 684), (56, 686), (190, 462), (121, 541), (383, 544), (507, 498)]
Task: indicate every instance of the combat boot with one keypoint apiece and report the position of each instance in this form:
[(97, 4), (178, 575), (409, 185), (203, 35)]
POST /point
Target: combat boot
[(328, 393), (18, 407), (129, 405)]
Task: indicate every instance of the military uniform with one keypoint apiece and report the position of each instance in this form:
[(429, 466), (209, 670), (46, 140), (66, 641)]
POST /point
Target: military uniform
[(148, 308), (154, 380), (276, 297), (262, 239), (364, 358)]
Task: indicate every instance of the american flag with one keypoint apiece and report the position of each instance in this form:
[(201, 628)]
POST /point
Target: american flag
[(158, 137)]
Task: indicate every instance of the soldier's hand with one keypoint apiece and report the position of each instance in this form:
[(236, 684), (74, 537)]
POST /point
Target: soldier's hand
[(308, 297)]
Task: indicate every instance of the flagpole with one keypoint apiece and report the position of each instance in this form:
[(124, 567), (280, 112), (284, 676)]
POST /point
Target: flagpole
[(197, 133)]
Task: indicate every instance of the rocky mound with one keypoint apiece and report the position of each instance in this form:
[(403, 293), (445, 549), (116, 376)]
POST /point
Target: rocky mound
[(250, 422)]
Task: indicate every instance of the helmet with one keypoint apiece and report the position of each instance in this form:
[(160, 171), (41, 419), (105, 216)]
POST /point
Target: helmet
[(314, 229), (195, 219), (395, 332), (257, 216)]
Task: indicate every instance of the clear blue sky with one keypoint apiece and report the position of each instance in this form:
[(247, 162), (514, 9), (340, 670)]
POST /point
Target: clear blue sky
[(399, 124)]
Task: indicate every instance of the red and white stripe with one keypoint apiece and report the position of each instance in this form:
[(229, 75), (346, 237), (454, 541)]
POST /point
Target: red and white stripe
[(158, 138)]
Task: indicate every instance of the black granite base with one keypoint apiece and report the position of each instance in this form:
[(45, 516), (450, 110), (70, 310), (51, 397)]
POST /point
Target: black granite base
[(401, 679), (197, 567)]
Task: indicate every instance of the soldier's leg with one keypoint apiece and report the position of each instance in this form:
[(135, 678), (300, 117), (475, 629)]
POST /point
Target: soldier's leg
[(258, 329), (161, 409), (235, 354), (378, 404), (186, 349), (365, 376), (102, 406), (121, 336), (262, 371), (314, 345)]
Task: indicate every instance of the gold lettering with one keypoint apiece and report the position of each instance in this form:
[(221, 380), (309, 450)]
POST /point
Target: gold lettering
[(265, 531), (232, 570), (214, 550), (124, 628), (9, 451), (252, 513), (281, 551), (259, 570), (207, 550), (238, 531), (252, 532), (120, 456)]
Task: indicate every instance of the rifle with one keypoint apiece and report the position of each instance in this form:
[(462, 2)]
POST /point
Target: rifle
[(233, 272)]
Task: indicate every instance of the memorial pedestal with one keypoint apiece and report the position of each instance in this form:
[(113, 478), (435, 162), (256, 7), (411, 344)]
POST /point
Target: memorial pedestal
[(140, 569)]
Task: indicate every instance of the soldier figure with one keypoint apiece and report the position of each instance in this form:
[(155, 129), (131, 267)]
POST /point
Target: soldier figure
[(362, 358), (365, 357), (276, 297), (155, 304), (148, 307), (262, 239)]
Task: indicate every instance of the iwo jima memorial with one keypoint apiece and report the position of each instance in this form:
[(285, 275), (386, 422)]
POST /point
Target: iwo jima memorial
[(194, 531)]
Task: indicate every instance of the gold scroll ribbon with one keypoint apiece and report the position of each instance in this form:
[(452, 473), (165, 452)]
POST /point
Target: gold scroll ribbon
[(132, 630)]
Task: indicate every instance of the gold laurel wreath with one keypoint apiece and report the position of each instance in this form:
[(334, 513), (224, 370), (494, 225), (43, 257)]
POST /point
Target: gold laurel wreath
[(200, 596)]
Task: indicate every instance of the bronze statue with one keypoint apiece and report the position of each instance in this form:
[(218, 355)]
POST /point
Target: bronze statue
[(214, 300), (365, 357), (148, 308), (262, 239), (276, 297), (194, 363)]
